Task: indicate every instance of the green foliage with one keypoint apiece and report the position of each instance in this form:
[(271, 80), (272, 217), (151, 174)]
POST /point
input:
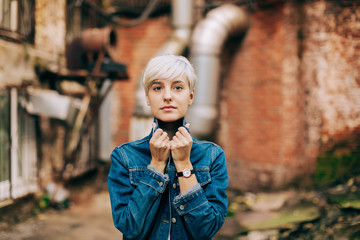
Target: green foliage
[(337, 164)]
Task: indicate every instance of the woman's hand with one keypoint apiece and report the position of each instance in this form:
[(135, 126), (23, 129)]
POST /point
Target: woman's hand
[(181, 147), (159, 148), (180, 151)]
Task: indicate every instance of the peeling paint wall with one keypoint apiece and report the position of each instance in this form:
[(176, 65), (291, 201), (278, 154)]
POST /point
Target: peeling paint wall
[(18, 60), (50, 26), (331, 71), (18, 63), (291, 89)]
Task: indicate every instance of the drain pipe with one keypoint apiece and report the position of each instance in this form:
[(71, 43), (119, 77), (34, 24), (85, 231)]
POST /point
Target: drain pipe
[(182, 18), (206, 46)]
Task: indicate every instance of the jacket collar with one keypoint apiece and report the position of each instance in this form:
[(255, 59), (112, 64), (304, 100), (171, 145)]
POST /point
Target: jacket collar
[(157, 125)]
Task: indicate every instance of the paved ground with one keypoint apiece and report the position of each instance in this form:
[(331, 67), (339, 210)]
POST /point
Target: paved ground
[(90, 220), (284, 213)]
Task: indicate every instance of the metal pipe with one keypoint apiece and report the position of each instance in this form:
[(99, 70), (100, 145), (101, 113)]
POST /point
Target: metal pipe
[(98, 39), (206, 46)]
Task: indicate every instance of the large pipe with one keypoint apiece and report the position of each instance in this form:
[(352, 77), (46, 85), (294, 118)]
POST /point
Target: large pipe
[(206, 46), (80, 52), (98, 39), (182, 18)]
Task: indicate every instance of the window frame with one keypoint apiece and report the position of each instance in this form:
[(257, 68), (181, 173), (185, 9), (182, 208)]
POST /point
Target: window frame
[(17, 20)]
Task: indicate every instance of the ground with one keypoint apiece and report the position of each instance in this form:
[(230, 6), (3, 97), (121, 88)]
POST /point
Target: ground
[(332, 213), (89, 220), (87, 217)]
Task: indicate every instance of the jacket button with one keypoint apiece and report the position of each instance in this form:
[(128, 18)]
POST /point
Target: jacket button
[(173, 220), (161, 184), (174, 186), (182, 207)]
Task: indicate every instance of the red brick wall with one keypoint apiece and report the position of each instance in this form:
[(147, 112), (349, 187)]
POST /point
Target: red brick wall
[(289, 86), (293, 88), (136, 45), (262, 126)]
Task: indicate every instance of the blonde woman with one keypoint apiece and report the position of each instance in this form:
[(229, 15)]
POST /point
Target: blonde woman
[(168, 185)]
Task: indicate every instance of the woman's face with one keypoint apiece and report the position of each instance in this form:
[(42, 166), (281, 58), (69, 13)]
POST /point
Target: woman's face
[(169, 99)]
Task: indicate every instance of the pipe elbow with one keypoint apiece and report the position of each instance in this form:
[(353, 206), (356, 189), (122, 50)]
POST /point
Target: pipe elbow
[(206, 45), (211, 32)]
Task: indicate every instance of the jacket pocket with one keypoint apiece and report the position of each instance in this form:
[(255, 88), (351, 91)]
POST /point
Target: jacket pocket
[(136, 174), (202, 175)]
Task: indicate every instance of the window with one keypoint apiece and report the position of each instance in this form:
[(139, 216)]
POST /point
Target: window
[(4, 145), (23, 148), (18, 170), (17, 20)]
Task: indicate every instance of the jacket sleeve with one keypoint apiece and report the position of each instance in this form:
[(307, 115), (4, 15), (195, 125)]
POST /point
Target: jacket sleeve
[(134, 205), (204, 209)]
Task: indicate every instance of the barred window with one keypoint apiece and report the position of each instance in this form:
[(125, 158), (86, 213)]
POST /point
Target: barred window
[(17, 20)]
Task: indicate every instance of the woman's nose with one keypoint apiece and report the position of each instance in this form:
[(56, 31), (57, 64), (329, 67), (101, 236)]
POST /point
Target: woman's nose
[(168, 95)]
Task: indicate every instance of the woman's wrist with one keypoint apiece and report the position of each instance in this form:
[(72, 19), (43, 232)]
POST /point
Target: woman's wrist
[(181, 165), (158, 165)]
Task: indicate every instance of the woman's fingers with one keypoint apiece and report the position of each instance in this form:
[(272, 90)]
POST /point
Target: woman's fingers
[(181, 136), (160, 139)]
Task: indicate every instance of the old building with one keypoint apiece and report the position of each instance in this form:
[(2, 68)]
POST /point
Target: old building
[(55, 74), (278, 83)]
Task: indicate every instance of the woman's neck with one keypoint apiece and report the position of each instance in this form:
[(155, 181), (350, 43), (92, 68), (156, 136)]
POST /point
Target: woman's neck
[(170, 127)]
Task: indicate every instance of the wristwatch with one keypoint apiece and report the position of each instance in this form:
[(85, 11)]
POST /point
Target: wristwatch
[(185, 173)]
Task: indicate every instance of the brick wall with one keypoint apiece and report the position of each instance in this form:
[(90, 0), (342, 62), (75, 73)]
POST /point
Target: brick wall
[(288, 86), (292, 89), (262, 125)]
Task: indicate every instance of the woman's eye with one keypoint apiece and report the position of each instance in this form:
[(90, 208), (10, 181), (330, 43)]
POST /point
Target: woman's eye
[(178, 87), (157, 88)]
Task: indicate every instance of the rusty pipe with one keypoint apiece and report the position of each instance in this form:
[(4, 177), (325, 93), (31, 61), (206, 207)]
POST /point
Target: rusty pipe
[(98, 39)]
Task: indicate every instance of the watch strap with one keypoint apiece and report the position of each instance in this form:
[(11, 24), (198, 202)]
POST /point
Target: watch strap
[(181, 174)]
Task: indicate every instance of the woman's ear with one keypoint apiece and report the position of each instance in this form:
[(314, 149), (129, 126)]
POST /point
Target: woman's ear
[(191, 97)]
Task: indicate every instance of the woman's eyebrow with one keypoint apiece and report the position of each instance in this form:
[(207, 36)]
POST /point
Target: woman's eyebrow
[(155, 82), (178, 81)]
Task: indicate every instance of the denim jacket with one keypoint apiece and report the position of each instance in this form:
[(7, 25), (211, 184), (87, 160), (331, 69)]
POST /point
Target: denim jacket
[(147, 204)]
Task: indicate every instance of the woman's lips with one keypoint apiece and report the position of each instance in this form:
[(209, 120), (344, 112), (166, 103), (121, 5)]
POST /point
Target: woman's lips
[(168, 108)]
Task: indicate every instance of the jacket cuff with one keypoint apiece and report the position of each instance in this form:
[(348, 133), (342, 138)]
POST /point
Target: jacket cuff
[(156, 180), (190, 200), (191, 190), (155, 170)]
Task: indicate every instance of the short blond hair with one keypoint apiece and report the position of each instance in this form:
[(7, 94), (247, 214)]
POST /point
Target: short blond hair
[(168, 67)]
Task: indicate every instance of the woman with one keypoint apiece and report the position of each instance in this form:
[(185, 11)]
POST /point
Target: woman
[(168, 185)]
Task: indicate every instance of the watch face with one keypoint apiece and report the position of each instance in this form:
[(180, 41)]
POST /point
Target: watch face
[(186, 172)]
